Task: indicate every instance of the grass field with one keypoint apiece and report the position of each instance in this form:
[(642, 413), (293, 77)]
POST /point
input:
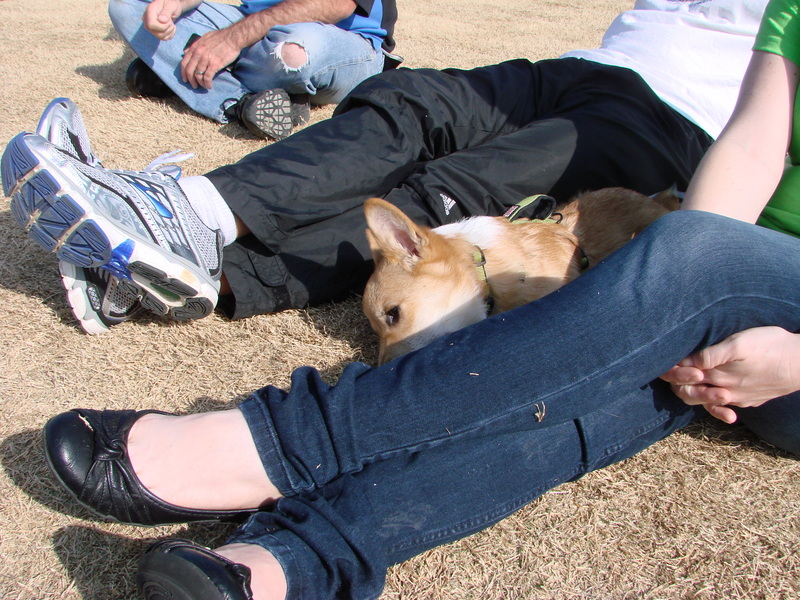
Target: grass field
[(708, 514)]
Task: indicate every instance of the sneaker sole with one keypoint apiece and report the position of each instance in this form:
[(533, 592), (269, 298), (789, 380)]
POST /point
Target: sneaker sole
[(59, 217), (269, 115), (90, 319), (78, 299)]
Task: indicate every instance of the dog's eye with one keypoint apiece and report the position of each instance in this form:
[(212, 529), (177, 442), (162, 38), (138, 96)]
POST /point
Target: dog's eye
[(392, 316)]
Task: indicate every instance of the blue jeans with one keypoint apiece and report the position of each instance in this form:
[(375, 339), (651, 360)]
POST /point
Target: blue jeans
[(338, 60), (444, 442)]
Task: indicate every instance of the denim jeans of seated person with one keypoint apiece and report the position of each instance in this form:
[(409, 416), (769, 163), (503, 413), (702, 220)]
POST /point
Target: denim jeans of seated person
[(338, 60), (446, 441)]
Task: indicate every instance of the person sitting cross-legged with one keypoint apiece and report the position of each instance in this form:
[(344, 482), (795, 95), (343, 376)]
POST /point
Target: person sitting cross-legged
[(262, 62)]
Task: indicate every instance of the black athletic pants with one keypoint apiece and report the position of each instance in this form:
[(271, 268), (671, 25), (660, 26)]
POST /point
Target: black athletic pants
[(441, 145)]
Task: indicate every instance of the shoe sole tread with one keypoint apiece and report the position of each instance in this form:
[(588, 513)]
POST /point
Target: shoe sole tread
[(269, 114)]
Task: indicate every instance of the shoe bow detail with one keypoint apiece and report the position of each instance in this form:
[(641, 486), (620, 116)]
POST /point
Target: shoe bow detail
[(88, 454)]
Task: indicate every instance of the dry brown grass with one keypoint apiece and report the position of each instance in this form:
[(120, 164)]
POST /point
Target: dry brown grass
[(708, 514)]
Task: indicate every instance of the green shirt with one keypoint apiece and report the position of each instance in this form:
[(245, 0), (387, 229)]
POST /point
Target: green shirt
[(780, 34)]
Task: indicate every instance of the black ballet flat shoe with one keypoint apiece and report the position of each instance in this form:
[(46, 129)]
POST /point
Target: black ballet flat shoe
[(183, 570), (87, 452)]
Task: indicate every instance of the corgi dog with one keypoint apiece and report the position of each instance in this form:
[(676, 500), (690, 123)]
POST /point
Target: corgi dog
[(430, 282)]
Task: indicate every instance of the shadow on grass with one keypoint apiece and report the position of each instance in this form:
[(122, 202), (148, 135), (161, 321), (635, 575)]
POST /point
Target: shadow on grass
[(27, 268), (24, 462), (102, 565), (111, 76), (344, 320), (718, 433)]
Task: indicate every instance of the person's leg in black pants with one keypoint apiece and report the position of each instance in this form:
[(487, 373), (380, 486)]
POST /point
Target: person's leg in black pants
[(441, 145)]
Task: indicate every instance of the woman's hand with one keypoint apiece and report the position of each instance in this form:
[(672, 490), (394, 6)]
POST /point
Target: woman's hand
[(747, 369)]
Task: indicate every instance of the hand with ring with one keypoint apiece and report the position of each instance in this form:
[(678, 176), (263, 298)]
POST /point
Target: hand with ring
[(207, 55)]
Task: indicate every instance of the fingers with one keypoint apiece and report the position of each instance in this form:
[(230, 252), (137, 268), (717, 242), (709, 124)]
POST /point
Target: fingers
[(683, 375), (159, 19), (167, 31), (719, 354), (697, 369), (723, 413), (205, 77), (199, 65), (713, 399), (197, 75), (193, 72), (696, 394)]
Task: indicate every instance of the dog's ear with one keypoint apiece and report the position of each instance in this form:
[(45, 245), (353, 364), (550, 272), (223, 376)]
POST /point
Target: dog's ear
[(392, 235)]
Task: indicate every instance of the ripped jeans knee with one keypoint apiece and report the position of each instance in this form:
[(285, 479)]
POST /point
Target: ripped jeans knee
[(292, 55), (321, 60)]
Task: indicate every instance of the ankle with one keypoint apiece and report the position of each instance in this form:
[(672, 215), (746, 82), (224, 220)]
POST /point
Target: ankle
[(204, 461), (267, 579)]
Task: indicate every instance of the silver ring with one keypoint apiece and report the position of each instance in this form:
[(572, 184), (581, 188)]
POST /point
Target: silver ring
[(199, 72)]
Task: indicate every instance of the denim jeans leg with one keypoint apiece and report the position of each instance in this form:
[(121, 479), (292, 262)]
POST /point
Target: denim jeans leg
[(776, 422), (164, 57), (344, 536), (579, 366), (337, 61), (690, 280)]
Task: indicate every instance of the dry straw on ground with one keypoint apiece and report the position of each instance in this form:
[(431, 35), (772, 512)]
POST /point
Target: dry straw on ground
[(708, 514)]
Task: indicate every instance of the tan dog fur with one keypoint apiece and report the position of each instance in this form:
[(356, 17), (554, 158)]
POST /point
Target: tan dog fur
[(426, 282)]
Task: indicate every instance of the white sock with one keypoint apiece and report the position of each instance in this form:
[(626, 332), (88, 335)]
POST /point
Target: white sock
[(210, 206)]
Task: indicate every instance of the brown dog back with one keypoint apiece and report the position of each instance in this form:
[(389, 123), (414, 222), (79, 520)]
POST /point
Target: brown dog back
[(606, 219)]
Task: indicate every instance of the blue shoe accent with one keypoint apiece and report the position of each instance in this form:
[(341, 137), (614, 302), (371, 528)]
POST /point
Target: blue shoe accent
[(57, 216), (48, 214), (162, 210), (87, 246), (120, 257), (33, 198)]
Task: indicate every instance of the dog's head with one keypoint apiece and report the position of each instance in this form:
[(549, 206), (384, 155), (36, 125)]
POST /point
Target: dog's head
[(424, 285)]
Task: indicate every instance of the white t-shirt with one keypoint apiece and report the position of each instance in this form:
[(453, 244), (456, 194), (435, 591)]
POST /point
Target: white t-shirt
[(692, 53)]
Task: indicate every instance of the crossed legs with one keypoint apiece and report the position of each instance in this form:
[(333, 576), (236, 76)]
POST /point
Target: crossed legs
[(448, 440)]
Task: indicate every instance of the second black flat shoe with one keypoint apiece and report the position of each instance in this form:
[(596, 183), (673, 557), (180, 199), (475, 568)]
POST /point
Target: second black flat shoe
[(182, 570), (87, 452)]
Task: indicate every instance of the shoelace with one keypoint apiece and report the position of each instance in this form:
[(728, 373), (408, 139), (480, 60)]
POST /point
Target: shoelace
[(166, 163)]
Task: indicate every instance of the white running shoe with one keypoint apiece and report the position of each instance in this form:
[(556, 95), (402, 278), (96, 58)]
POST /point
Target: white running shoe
[(138, 226)]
